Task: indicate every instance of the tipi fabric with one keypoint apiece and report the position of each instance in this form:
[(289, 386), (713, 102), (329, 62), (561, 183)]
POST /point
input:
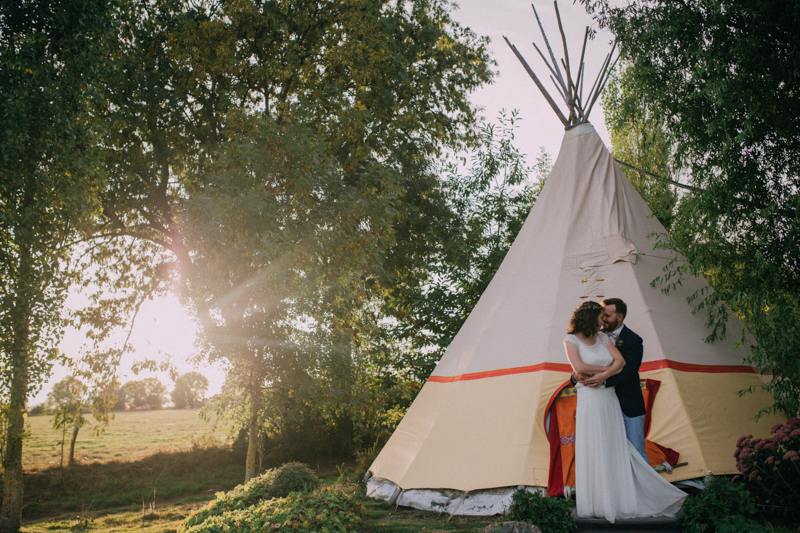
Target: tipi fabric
[(479, 421)]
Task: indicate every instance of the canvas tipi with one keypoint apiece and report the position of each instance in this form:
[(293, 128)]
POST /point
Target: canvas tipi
[(479, 427)]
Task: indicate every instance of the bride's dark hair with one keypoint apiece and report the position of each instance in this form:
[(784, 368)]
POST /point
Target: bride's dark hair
[(585, 319)]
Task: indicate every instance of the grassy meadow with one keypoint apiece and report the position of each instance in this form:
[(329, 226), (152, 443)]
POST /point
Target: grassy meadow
[(150, 469), (131, 435), (143, 459)]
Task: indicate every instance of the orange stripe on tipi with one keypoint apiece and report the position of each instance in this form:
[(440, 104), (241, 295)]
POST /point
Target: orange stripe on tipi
[(562, 367)]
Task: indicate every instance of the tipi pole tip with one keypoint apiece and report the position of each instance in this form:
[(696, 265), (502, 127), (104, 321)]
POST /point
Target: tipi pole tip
[(538, 83), (549, 49)]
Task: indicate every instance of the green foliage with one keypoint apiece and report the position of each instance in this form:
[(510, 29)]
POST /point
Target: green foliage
[(639, 139), (50, 55), (147, 393), (327, 510), (770, 468), (714, 74), (739, 524), (292, 477), (720, 500), (490, 202), (551, 515), (66, 401), (39, 409), (278, 483), (286, 187), (190, 389)]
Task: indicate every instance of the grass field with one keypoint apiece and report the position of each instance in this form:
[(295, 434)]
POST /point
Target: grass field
[(379, 517), (131, 435), (151, 469), (143, 458)]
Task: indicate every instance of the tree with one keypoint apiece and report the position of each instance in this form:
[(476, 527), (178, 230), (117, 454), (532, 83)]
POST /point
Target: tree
[(639, 139), (491, 202), (376, 90), (120, 398), (721, 76), (147, 393), (190, 390), (49, 55), (66, 401)]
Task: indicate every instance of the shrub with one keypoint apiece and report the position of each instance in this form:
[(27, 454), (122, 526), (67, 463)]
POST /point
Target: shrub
[(37, 410), (705, 512), (326, 510), (551, 515), (770, 468), (291, 477), (739, 524)]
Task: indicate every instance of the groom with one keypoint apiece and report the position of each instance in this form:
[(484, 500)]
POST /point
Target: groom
[(626, 383)]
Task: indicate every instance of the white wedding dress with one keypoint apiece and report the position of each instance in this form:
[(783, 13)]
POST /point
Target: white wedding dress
[(612, 480)]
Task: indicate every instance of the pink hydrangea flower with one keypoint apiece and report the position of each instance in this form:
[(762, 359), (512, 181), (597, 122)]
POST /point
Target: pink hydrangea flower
[(761, 445), (775, 428), (753, 475), (795, 433), (788, 455), (770, 460)]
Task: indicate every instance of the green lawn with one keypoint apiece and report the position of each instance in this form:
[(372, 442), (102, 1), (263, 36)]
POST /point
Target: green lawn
[(142, 457), (131, 435), (150, 469), (379, 517)]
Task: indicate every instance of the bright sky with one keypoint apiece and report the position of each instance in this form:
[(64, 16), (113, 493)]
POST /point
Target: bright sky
[(164, 330)]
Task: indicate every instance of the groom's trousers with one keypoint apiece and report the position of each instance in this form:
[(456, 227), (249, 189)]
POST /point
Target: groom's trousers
[(634, 429)]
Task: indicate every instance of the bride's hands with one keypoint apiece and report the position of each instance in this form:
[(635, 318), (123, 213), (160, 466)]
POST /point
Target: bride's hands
[(596, 380)]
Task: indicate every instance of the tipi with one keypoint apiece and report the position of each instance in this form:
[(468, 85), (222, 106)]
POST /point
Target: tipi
[(479, 427)]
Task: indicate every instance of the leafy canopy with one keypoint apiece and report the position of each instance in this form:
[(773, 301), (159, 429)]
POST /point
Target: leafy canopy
[(721, 75)]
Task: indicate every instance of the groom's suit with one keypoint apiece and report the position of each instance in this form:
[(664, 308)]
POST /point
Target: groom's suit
[(626, 383)]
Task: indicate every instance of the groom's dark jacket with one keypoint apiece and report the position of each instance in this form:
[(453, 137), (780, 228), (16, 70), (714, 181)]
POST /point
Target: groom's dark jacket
[(626, 383)]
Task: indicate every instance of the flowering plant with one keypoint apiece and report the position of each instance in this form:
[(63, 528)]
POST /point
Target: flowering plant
[(770, 468)]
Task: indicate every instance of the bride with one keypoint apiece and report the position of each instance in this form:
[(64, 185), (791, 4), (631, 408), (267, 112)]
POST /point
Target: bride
[(611, 479)]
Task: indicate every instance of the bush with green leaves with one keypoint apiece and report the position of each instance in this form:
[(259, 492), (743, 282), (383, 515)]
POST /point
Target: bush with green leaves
[(292, 477), (770, 468), (327, 510), (716, 508), (551, 515), (277, 483)]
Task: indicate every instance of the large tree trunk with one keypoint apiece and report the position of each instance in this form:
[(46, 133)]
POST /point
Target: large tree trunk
[(11, 513), (11, 516), (252, 450), (72, 445)]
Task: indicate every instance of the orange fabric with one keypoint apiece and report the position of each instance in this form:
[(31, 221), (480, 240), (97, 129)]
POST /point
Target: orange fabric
[(562, 407), (566, 430)]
